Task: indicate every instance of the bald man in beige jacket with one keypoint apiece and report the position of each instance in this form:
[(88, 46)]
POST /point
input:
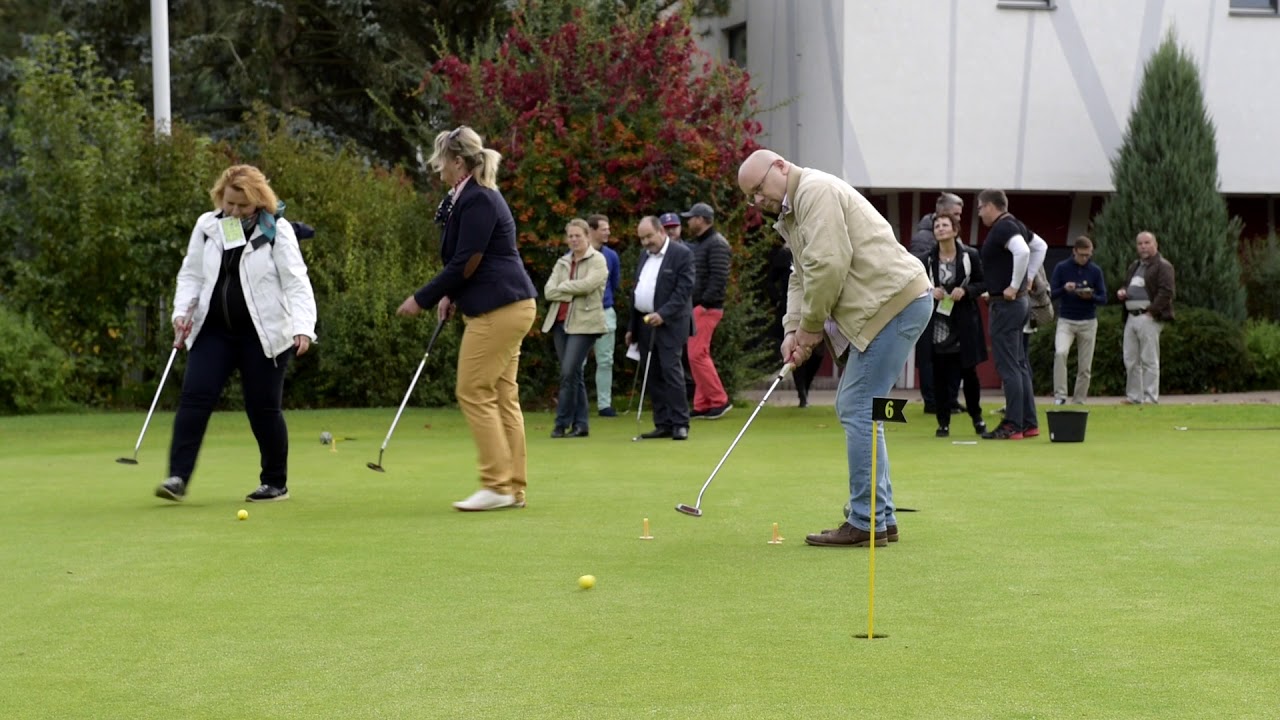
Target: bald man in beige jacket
[(856, 287)]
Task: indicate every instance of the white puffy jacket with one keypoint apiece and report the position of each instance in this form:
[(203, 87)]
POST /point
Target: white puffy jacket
[(273, 275)]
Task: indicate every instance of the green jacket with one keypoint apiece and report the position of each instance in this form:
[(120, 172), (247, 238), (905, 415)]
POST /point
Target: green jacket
[(585, 294), (847, 264)]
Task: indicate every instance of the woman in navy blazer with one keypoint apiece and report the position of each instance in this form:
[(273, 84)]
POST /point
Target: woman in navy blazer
[(484, 278)]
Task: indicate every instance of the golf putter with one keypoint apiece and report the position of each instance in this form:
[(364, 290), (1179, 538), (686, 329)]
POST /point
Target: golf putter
[(696, 509), (430, 344), (167, 366), (644, 385), (177, 343)]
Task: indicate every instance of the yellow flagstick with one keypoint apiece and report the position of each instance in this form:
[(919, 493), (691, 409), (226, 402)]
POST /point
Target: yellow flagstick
[(646, 535), (333, 445), (871, 572), (882, 410)]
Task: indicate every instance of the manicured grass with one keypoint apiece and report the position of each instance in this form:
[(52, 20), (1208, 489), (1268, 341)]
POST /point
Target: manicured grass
[(1136, 575)]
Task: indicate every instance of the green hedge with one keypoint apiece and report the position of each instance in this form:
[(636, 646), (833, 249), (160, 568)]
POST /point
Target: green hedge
[(1200, 352), (1262, 340), (33, 370)]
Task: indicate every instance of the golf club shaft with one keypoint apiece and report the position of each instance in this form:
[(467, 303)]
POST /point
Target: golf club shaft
[(648, 359), (759, 406), (154, 400), (430, 344)]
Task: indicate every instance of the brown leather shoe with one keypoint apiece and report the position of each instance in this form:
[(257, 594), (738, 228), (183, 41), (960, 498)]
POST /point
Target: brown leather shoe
[(846, 536), (891, 531)]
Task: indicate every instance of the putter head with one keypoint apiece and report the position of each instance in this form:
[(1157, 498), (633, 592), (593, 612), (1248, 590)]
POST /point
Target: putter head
[(376, 467), (688, 510), (126, 461)]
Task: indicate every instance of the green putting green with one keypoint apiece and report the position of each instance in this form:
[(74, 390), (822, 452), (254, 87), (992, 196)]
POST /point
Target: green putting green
[(1135, 575)]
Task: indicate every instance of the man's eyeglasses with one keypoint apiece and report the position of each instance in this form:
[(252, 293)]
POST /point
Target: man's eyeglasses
[(755, 191)]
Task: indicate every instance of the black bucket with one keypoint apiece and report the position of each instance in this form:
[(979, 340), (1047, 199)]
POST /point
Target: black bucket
[(1067, 425)]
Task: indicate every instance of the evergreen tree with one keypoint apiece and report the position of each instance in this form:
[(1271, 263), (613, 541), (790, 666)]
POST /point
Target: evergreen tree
[(1166, 181)]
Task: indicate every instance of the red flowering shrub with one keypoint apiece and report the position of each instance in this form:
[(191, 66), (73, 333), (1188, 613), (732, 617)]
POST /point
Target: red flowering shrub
[(599, 109)]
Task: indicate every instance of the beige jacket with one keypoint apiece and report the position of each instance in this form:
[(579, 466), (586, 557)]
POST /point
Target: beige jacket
[(585, 294), (847, 264)]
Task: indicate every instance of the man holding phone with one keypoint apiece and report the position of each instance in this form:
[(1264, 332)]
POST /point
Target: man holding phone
[(1078, 285)]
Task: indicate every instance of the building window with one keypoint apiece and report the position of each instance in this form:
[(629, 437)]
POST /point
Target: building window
[(1028, 4), (1254, 7), (736, 37)]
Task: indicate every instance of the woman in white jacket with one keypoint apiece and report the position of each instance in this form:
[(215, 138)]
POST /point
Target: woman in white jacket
[(243, 302)]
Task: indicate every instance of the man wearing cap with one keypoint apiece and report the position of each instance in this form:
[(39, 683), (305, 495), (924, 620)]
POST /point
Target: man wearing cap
[(671, 223), (712, 256)]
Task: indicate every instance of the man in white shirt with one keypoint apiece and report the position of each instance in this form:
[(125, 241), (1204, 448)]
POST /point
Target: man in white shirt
[(661, 322)]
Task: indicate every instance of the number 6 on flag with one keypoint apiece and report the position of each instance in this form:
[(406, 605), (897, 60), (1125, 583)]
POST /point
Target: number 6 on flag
[(885, 409)]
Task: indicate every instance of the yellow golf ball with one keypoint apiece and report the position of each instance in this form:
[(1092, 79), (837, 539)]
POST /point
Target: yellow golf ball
[(243, 515), (586, 582)]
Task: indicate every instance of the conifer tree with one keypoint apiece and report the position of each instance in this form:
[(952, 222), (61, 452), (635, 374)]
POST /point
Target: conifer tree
[(1166, 181)]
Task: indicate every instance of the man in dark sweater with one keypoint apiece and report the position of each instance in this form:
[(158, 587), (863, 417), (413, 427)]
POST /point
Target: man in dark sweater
[(1078, 285), (712, 257), (1005, 256)]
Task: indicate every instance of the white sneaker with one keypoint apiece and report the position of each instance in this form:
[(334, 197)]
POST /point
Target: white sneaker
[(484, 499)]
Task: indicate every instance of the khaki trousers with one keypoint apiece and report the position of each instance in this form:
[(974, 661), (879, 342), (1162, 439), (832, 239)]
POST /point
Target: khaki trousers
[(489, 395), (1142, 358), (1069, 331)]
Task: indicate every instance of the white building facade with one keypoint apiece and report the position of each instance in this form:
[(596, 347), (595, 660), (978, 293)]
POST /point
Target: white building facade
[(908, 98), (905, 98)]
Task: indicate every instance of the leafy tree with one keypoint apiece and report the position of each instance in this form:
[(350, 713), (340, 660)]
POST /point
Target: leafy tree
[(101, 204), (598, 106), (1166, 180), (352, 66)]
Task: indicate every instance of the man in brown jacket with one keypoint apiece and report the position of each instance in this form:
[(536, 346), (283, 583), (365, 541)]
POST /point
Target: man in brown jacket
[(1148, 300)]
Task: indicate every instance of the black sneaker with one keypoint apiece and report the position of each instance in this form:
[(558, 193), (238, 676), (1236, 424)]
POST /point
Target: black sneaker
[(718, 412), (175, 489), (578, 432), (608, 412), (267, 493), (979, 426), (943, 432), (698, 414)]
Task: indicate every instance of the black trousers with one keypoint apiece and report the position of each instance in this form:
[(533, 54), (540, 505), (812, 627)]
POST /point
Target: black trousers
[(666, 378), (213, 356), (928, 386), (947, 372)]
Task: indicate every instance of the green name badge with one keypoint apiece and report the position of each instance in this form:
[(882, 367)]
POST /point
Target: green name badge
[(232, 233)]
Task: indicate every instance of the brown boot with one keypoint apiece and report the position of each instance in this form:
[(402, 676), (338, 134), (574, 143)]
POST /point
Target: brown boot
[(846, 536)]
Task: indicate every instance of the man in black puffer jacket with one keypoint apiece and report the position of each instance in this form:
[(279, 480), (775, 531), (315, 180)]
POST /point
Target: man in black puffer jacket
[(712, 257)]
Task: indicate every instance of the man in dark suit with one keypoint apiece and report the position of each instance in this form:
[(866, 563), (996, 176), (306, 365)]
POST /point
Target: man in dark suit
[(661, 321)]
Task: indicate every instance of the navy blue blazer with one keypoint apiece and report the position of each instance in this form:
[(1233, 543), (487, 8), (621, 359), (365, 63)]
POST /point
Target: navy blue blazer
[(482, 266), (672, 295)]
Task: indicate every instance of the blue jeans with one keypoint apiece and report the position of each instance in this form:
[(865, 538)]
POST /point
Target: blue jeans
[(1009, 352), (571, 409), (868, 374)]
